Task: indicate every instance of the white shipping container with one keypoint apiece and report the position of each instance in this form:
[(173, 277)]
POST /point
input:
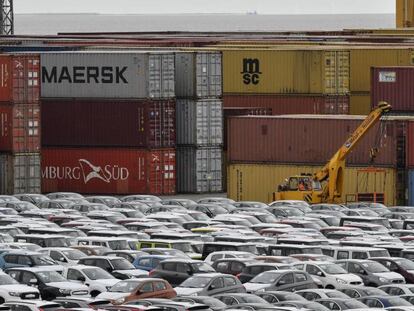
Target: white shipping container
[(198, 74), (199, 122), (135, 75)]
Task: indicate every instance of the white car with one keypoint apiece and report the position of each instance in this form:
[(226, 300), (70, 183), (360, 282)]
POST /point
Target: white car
[(331, 275), (11, 290), (65, 256), (34, 305), (211, 258), (96, 278)]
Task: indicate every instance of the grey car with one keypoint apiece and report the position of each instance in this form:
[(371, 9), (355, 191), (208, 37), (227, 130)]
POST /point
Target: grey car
[(209, 284), (371, 272)]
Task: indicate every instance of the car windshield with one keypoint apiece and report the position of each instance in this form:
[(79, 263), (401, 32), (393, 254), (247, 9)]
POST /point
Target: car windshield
[(196, 282), (247, 248), (336, 294), (372, 291), (7, 280), (266, 278), (397, 301), (122, 264), (355, 304), (97, 274), (73, 254), (50, 276), (405, 264), (57, 242), (172, 252), (125, 286), (118, 245), (379, 253), (374, 267), (43, 260), (202, 267), (333, 269), (184, 247)]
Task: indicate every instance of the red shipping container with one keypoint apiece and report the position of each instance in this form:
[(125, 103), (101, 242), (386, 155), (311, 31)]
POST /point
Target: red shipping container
[(146, 124), (285, 104), (20, 128), (410, 145), (109, 171), (394, 85), (20, 78), (307, 139)]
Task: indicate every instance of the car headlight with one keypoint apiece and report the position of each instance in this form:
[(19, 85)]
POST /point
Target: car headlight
[(64, 291), (120, 300), (340, 281), (14, 294), (383, 280)]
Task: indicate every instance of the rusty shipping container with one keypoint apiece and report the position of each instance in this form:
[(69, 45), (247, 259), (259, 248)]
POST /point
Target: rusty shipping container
[(286, 71), (395, 86), (198, 74), (257, 182), (20, 173), (20, 78), (137, 75), (288, 104), (108, 171), (307, 139), (20, 128), (146, 124), (360, 104)]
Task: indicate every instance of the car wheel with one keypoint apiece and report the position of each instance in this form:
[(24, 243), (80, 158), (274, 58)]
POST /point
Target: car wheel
[(95, 293), (2, 300)]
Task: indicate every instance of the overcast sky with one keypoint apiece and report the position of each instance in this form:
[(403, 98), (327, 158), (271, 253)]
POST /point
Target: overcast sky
[(205, 6)]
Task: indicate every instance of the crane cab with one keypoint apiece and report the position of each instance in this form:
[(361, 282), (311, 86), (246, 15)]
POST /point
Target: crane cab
[(300, 187)]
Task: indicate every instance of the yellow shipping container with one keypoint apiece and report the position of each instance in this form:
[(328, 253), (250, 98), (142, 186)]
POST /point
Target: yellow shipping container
[(257, 182), (405, 13), (362, 59), (286, 71), (360, 104)]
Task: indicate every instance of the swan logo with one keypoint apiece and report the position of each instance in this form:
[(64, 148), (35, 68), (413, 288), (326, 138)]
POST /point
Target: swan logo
[(86, 171)]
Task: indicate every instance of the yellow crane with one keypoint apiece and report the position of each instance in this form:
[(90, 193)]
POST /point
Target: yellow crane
[(326, 185)]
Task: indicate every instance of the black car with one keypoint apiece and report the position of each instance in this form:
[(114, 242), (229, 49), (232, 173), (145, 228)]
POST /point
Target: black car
[(403, 266), (177, 270), (251, 270), (232, 266)]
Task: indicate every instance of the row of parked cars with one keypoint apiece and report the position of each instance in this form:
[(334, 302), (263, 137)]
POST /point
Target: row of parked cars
[(66, 251)]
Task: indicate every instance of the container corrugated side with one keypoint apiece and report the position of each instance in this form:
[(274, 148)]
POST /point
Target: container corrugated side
[(362, 59), (20, 78), (109, 171), (20, 128), (360, 104), (410, 145), (198, 74), (286, 71), (199, 170), (410, 186), (307, 139), (395, 86), (147, 124), (199, 122), (20, 173), (288, 104), (257, 182), (108, 75)]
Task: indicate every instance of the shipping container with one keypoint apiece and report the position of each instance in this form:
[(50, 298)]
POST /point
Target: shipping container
[(308, 139), (395, 86), (410, 186), (20, 128), (199, 170), (20, 78), (306, 71), (137, 75), (108, 171), (258, 182), (146, 124), (199, 122), (360, 104), (198, 74), (20, 173), (410, 144), (362, 59), (288, 104)]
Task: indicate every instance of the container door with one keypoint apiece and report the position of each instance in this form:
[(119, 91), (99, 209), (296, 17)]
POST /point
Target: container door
[(167, 76), (411, 188), (343, 71), (154, 78)]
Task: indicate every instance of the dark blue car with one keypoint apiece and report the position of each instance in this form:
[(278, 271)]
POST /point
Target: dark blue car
[(384, 301), (149, 262)]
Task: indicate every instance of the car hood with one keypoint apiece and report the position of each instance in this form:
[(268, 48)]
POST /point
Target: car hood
[(389, 275), (69, 285), (132, 272), (194, 255), (105, 282), (187, 291), (349, 277), (254, 287), (111, 295), (19, 288)]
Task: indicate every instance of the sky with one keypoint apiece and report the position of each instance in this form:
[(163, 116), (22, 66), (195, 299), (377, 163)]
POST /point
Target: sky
[(205, 6)]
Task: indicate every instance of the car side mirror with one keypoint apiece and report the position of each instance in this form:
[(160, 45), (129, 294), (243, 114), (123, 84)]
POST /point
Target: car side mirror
[(33, 282), (62, 259), (319, 273), (362, 272), (281, 282), (81, 279), (212, 286)]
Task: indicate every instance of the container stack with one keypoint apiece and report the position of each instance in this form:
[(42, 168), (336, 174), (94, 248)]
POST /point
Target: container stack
[(108, 122), (20, 124), (199, 122), (301, 80)]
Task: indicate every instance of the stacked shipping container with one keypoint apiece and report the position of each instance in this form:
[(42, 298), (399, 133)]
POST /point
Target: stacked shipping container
[(109, 122), (199, 122), (20, 123)]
